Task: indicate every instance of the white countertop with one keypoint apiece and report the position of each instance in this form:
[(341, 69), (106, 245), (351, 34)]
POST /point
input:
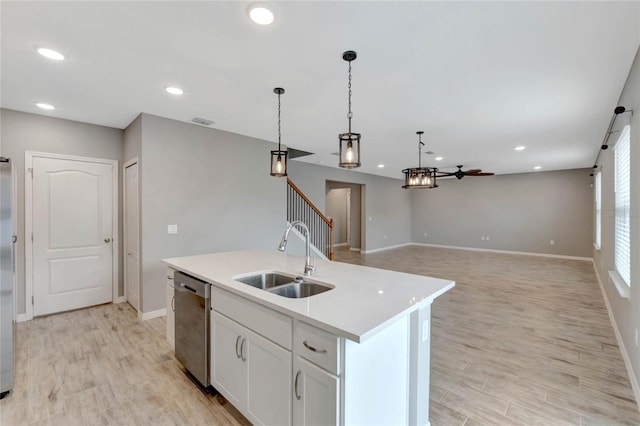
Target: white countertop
[(364, 301)]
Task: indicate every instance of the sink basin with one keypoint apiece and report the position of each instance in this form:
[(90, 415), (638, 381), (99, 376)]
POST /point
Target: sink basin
[(283, 285), (266, 280), (298, 290)]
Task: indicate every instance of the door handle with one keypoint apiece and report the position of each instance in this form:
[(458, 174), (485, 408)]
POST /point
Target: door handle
[(295, 386), (237, 351), (107, 240)]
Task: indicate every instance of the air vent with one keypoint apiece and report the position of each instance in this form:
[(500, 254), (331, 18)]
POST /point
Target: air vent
[(202, 121)]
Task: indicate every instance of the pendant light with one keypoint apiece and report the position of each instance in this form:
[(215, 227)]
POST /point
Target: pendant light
[(420, 177), (349, 142), (279, 157)]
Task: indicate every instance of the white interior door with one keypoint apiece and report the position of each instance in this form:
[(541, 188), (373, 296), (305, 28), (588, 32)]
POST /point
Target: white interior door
[(131, 235), (72, 211), (348, 215)]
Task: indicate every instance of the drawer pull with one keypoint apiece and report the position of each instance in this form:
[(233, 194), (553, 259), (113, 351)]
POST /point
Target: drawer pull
[(242, 355), (312, 349), (169, 277)]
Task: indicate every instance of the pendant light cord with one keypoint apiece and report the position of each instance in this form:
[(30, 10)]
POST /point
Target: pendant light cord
[(279, 132), (350, 114), (420, 145)]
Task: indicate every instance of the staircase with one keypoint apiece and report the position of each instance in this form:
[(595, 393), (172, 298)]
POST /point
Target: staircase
[(299, 207)]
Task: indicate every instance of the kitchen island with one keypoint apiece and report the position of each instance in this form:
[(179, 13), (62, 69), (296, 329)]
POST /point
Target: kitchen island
[(356, 354)]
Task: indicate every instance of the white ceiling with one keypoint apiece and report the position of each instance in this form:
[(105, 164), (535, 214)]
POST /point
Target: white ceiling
[(478, 77)]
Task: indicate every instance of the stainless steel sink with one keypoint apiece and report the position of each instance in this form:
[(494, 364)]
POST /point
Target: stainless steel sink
[(266, 280), (283, 285), (299, 290)]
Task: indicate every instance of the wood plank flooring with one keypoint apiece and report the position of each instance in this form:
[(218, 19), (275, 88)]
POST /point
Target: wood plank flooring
[(520, 340)]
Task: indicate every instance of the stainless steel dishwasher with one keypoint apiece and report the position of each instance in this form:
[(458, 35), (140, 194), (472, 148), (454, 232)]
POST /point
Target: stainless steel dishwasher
[(192, 318)]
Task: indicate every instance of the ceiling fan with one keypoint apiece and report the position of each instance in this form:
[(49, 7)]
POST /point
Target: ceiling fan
[(462, 173)]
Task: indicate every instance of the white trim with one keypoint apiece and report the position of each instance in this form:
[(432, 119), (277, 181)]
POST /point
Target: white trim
[(623, 349), (144, 316), (354, 249), (340, 244), (28, 227), (385, 248), (125, 285), (120, 299), (21, 318), (523, 253), (623, 288), (595, 246)]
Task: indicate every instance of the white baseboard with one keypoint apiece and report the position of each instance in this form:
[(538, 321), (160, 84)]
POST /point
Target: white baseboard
[(385, 248), (144, 316), (524, 253), (120, 299), (623, 349), (340, 244), (354, 249), (21, 318)]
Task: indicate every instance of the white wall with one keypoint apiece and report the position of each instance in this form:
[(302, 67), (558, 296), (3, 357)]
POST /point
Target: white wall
[(214, 185), (22, 132), (518, 212), (336, 205), (626, 312)]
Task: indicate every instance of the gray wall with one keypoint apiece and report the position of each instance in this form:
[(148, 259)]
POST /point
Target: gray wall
[(22, 132), (385, 202), (214, 185), (356, 210), (337, 210), (625, 311), (519, 212)]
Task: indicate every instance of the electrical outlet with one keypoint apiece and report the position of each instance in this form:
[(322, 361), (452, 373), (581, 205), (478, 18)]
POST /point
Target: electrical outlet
[(385, 237), (172, 229), (552, 242), (370, 218), (425, 330), (487, 238), (482, 238), (425, 234)]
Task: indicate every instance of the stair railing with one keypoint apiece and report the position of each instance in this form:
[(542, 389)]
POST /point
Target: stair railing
[(299, 207)]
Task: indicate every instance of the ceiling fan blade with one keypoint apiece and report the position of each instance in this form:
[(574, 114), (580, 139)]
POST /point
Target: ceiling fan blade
[(485, 174), (472, 171)]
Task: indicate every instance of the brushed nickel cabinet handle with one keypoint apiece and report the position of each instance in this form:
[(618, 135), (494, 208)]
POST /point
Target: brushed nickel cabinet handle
[(242, 356), (312, 349), (295, 386), (237, 351)]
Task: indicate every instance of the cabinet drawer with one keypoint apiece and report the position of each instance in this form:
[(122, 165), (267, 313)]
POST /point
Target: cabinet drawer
[(170, 273), (264, 321), (318, 346)]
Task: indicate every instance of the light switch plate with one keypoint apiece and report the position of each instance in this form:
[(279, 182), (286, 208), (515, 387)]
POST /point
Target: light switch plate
[(172, 229)]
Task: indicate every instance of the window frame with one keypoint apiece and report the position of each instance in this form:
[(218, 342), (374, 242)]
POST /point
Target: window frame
[(622, 208)]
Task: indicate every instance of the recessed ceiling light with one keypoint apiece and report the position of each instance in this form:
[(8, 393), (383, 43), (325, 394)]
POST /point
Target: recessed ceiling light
[(174, 90), (261, 15), (520, 148), (438, 158), (381, 166), (45, 106), (51, 54), (537, 167)]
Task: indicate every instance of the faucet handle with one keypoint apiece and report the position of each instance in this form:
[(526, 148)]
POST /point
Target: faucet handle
[(309, 269)]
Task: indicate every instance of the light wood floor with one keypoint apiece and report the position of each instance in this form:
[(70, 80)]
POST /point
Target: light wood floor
[(520, 340)]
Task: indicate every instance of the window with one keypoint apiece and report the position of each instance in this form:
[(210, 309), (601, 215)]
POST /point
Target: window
[(598, 197), (622, 188)]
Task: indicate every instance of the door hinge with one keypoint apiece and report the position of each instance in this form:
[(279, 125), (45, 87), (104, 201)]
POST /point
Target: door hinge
[(30, 171)]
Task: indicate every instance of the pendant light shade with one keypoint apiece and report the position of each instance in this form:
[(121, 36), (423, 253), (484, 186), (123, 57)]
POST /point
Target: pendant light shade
[(420, 177), (349, 142), (278, 157)]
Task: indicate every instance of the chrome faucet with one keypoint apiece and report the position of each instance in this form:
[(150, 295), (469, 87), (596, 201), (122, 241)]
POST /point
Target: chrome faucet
[(308, 267)]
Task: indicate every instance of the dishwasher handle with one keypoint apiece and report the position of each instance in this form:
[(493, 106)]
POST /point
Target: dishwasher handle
[(192, 290)]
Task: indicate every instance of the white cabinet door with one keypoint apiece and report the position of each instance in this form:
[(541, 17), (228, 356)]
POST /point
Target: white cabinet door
[(316, 395), (171, 317), (228, 368), (269, 382)]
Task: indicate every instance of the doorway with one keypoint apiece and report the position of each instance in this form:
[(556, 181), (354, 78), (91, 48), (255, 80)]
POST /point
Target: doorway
[(71, 230), (344, 204), (131, 217)]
